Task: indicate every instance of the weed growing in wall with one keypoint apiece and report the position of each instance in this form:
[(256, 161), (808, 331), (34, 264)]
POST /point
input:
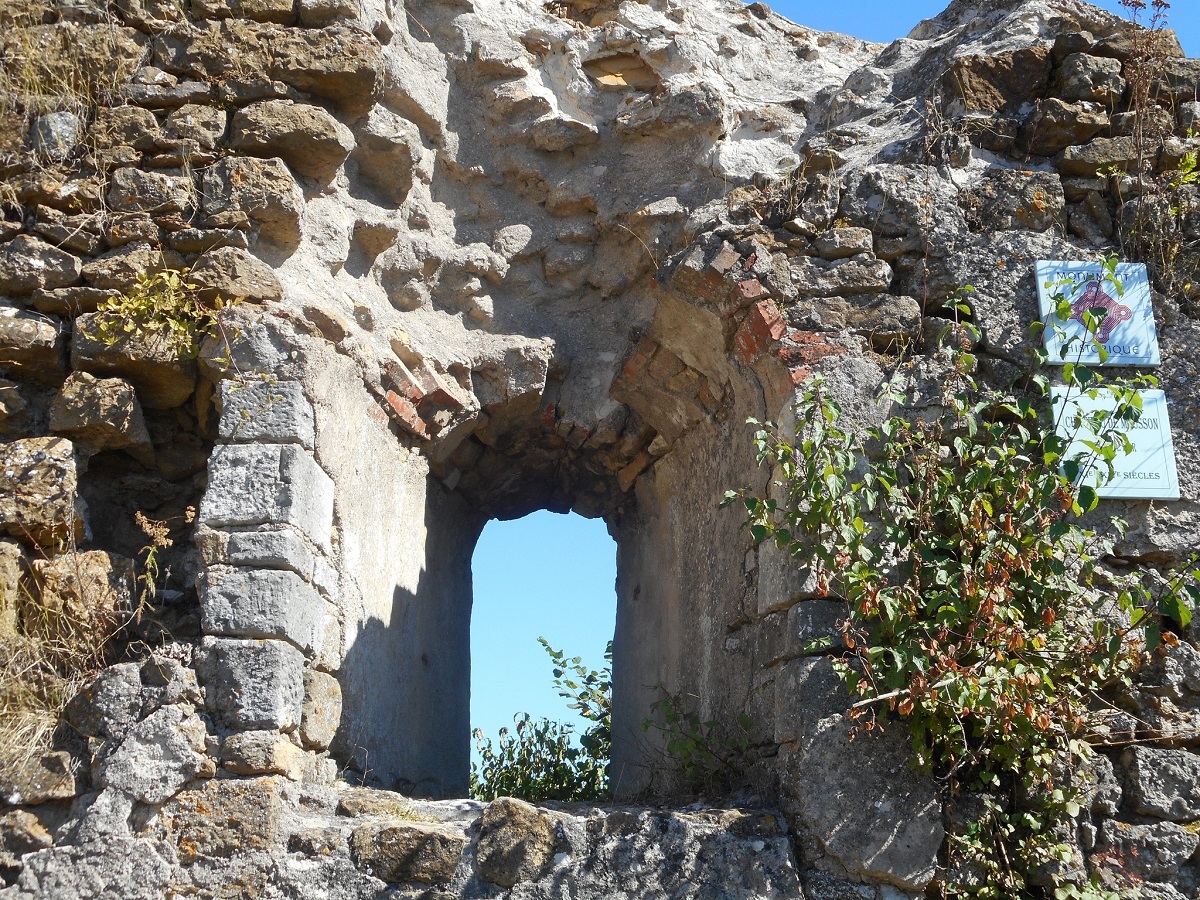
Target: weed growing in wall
[(164, 311), (980, 613), (540, 759)]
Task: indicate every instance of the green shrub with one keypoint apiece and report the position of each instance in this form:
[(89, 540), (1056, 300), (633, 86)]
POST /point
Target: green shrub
[(978, 611), (540, 759)]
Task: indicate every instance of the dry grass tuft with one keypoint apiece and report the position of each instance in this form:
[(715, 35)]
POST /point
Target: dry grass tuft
[(66, 629)]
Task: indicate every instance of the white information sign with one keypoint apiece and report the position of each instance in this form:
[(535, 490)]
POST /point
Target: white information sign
[(1148, 473), (1125, 315)]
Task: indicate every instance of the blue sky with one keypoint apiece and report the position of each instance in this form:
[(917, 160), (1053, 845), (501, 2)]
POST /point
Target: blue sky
[(886, 20), (554, 575)]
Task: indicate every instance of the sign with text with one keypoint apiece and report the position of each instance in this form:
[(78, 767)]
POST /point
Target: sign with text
[(1148, 473), (1121, 311)]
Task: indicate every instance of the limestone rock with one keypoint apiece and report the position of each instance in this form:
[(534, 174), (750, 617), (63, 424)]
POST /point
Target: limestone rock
[(1090, 158), (259, 603), (840, 243), (230, 273), (134, 190), (101, 414), (92, 588), (516, 842), (1093, 78), (262, 753), (40, 780), (253, 684), (305, 137), (226, 817), (112, 868), (322, 712), (162, 379), (1010, 199), (1163, 783), (1152, 852), (856, 275), (53, 136), (268, 412), (109, 705), (193, 127), (21, 832), (118, 269), (128, 126), (38, 491), (156, 757), (27, 264), (31, 345), (255, 10), (12, 561), (993, 82), (894, 838), (261, 484), (337, 63), (387, 154), (262, 189), (1057, 125), (407, 852)]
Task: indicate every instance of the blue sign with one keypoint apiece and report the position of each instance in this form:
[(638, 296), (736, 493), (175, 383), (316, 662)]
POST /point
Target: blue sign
[(1148, 473), (1118, 308)]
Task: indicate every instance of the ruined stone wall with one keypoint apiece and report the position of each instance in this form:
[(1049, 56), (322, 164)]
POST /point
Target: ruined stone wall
[(493, 258)]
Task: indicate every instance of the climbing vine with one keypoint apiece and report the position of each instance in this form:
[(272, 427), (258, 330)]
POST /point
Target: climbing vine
[(980, 613)]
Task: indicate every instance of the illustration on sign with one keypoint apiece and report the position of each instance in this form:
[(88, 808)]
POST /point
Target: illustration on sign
[(1148, 473), (1123, 315)]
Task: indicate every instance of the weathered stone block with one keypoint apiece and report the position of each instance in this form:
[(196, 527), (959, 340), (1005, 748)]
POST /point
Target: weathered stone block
[(856, 275), (231, 273), (1151, 852), (101, 414), (859, 803), (226, 817), (255, 10), (252, 684), (262, 189), (262, 603), (118, 270), (157, 756), (27, 264), (54, 135), (266, 412), (780, 581), (111, 867), (108, 705), (841, 243), (268, 484), (283, 549), (305, 137), (1163, 783), (40, 780), (262, 753), (136, 190), (21, 832), (407, 851), (1094, 78), (322, 709), (162, 378), (516, 842), (39, 500), (92, 587), (31, 345), (1087, 160)]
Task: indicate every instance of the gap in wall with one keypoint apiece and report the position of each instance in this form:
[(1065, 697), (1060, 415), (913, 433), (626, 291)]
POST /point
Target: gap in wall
[(545, 574)]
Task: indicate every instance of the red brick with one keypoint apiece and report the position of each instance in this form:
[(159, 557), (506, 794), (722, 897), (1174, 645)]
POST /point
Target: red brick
[(743, 294), (762, 326), (405, 415), (403, 381), (639, 360), (628, 475), (725, 260)]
